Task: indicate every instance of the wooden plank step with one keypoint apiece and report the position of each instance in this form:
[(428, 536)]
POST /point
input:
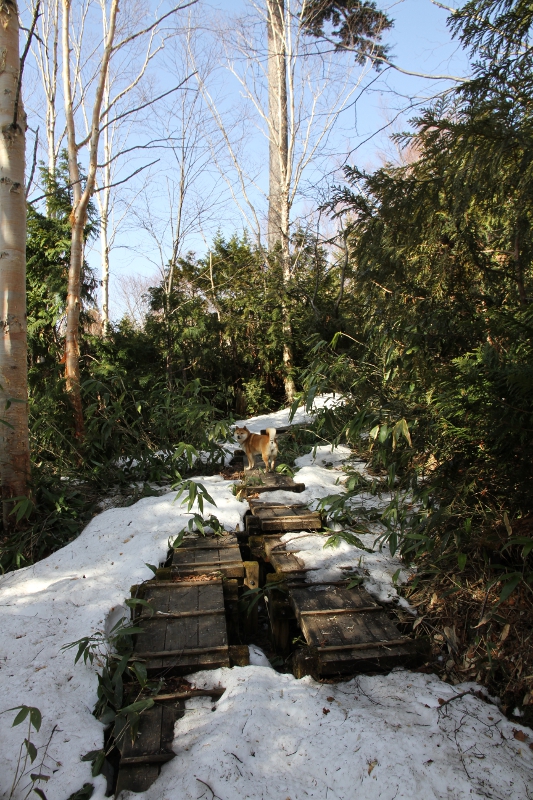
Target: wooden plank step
[(280, 512), (283, 517), (272, 550), (260, 482), (183, 638), (204, 555), (258, 504), (347, 632), (141, 759), (310, 522)]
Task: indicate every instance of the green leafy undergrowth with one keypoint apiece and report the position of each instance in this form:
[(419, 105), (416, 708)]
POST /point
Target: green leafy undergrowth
[(124, 690)]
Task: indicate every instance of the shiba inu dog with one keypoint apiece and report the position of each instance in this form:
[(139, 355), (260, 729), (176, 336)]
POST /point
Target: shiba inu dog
[(253, 443)]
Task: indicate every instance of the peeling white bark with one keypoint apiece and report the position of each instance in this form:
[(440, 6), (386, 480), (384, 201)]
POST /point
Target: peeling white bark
[(14, 438)]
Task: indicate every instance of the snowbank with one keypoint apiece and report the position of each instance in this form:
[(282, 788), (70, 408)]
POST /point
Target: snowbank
[(280, 419), (331, 564), (71, 594), (271, 737), (378, 567)]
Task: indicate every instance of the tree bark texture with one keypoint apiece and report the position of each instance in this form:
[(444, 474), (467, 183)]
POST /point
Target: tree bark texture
[(104, 245), (278, 190), (81, 198), (278, 124), (519, 271), (14, 451)]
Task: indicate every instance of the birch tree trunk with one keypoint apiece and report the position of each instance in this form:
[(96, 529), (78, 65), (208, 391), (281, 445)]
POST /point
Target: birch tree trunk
[(46, 47), (278, 123), (278, 190), (104, 196), (81, 198), (14, 450)]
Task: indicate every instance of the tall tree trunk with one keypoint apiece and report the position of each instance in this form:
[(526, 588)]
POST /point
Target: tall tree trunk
[(345, 262), (104, 245), (278, 123), (81, 199), (49, 76), (14, 450), (104, 195), (278, 191), (519, 271)]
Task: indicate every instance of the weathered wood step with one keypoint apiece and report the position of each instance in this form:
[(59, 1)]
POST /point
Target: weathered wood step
[(269, 517), (347, 631), (271, 549), (180, 637), (141, 759), (257, 482), (260, 504), (210, 556)]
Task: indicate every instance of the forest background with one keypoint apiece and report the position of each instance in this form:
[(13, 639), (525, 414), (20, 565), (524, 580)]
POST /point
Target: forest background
[(405, 288)]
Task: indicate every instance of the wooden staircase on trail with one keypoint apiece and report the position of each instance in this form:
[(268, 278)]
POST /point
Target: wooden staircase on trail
[(271, 516), (192, 616), (193, 622)]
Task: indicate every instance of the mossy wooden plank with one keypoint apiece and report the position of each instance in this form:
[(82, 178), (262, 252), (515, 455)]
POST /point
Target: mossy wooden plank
[(154, 630), (206, 555), (286, 562), (273, 511), (259, 504), (259, 482)]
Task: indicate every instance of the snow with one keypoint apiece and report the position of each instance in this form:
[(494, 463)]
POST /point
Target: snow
[(280, 419), (332, 563), (269, 737), (272, 737), (73, 593)]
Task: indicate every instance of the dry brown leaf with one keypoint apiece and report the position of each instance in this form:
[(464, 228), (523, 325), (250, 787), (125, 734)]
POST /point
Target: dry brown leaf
[(505, 633), (520, 735), (451, 636), (507, 524), (371, 765), (326, 710)]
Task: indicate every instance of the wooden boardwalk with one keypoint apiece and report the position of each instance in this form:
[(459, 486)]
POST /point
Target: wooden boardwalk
[(141, 759), (270, 516), (346, 630), (187, 629), (206, 555), (193, 621)]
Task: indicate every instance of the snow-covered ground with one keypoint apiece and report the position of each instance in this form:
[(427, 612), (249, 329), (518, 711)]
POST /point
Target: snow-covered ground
[(280, 419), (71, 594), (271, 737)]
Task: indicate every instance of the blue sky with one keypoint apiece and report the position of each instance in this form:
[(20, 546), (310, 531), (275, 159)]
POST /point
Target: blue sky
[(420, 42)]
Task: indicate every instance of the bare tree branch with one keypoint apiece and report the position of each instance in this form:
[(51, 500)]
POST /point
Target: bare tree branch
[(125, 180), (22, 61), (136, 35), (137, 108), (33, 162)]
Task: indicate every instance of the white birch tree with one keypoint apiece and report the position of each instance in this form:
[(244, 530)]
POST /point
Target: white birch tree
[(87, 75), (14, 445), (295, 97)]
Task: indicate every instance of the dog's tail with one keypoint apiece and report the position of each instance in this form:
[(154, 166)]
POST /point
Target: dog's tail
[(271, 433)]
